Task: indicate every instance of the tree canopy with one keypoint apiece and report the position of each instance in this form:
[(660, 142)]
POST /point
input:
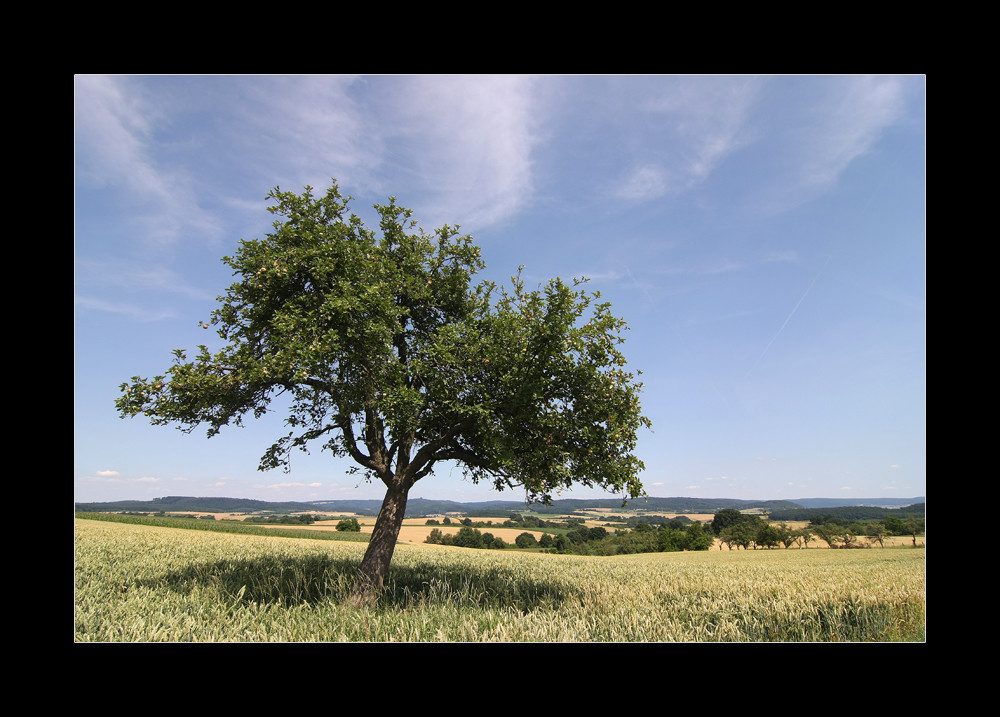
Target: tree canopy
[(391, 356)]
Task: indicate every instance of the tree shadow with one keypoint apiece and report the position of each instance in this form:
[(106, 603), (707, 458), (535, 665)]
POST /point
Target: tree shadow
[(317, 579)]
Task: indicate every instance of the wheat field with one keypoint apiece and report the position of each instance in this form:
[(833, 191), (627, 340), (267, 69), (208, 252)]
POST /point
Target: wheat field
[(138, 583)]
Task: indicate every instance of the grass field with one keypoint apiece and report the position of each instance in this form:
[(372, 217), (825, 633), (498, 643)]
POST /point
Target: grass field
[(139, 583)]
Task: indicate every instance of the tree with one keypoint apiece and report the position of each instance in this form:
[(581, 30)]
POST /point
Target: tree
[(913, 527), (597, 533), (349, 525), (786, 536), (726, 518), (830, 533), (806, 536), (468, 537), (768, 536), (435, 536), (526, 540), (739, 534), (390, 356), (697, 537)]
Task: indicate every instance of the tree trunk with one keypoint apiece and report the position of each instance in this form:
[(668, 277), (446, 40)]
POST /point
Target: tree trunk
[(375, 565)]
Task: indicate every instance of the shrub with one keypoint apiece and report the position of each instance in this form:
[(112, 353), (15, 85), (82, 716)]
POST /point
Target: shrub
[(527, 540), (436, 537)]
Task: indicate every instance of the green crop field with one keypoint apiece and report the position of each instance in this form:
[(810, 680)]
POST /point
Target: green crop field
[(142, 583)]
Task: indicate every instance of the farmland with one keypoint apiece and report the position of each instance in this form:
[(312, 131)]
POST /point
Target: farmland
[(143, 583)]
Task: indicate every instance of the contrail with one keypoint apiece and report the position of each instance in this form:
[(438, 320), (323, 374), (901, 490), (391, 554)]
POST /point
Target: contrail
[(639, 286), (789, 318)]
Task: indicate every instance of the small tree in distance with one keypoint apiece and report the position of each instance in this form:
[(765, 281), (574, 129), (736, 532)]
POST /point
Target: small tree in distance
[(394, 359)]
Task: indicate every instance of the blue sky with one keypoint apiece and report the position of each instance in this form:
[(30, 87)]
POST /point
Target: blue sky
[(764, 237)]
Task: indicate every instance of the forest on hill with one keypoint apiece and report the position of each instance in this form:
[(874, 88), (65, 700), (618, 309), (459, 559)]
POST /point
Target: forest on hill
[(418, 507), (849, 512)]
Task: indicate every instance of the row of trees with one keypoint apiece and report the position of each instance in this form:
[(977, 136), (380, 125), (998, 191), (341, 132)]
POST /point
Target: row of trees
[(669, 536), (467, 537), (514, 520), (302, 519), (740, 530), (581, 540)]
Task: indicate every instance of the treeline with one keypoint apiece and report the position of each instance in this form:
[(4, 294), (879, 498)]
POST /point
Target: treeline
[(514, 520), (739, 530), (303, 519), (578, 539), (849, 512), (666, 537)]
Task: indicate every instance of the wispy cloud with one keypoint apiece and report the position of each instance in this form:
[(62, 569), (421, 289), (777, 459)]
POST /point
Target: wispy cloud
[(109, 476), (116, 141), (469, 143), (128, 275), (847, 124), (95, 279), (697, 123), (811, 144)]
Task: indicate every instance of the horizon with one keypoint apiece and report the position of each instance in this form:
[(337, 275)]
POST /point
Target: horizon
[(450, 500), (762, 236)]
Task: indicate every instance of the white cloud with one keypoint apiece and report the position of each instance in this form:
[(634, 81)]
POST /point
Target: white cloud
[(646, 182), (456, 149), (810, 145), (107, 473), (118, 307), (115, 141), (470, 141), (306, 128), (112, 127), (698, 122), (848, 123)]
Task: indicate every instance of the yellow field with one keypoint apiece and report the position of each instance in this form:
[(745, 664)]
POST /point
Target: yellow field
[(415, 530), (141, 583)]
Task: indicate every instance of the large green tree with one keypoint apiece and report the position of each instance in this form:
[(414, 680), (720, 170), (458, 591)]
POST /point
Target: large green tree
[(385, 351)]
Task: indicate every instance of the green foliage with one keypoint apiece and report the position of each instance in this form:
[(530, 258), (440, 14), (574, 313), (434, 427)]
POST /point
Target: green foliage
[(301, 519), (388, 355), (349, 525), (393, 358), (435, 537), (697, 537), (848, 513), (526, 540), (467, 537), (643, 538), (725, 518)]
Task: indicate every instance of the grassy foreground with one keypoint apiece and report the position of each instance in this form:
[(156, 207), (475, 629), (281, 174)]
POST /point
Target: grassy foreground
[(138, 583)]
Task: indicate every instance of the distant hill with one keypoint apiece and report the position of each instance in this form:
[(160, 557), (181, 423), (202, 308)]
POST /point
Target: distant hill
[(416, 507), (424, 506), (173, 503), (873, 502), (850, 512)]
